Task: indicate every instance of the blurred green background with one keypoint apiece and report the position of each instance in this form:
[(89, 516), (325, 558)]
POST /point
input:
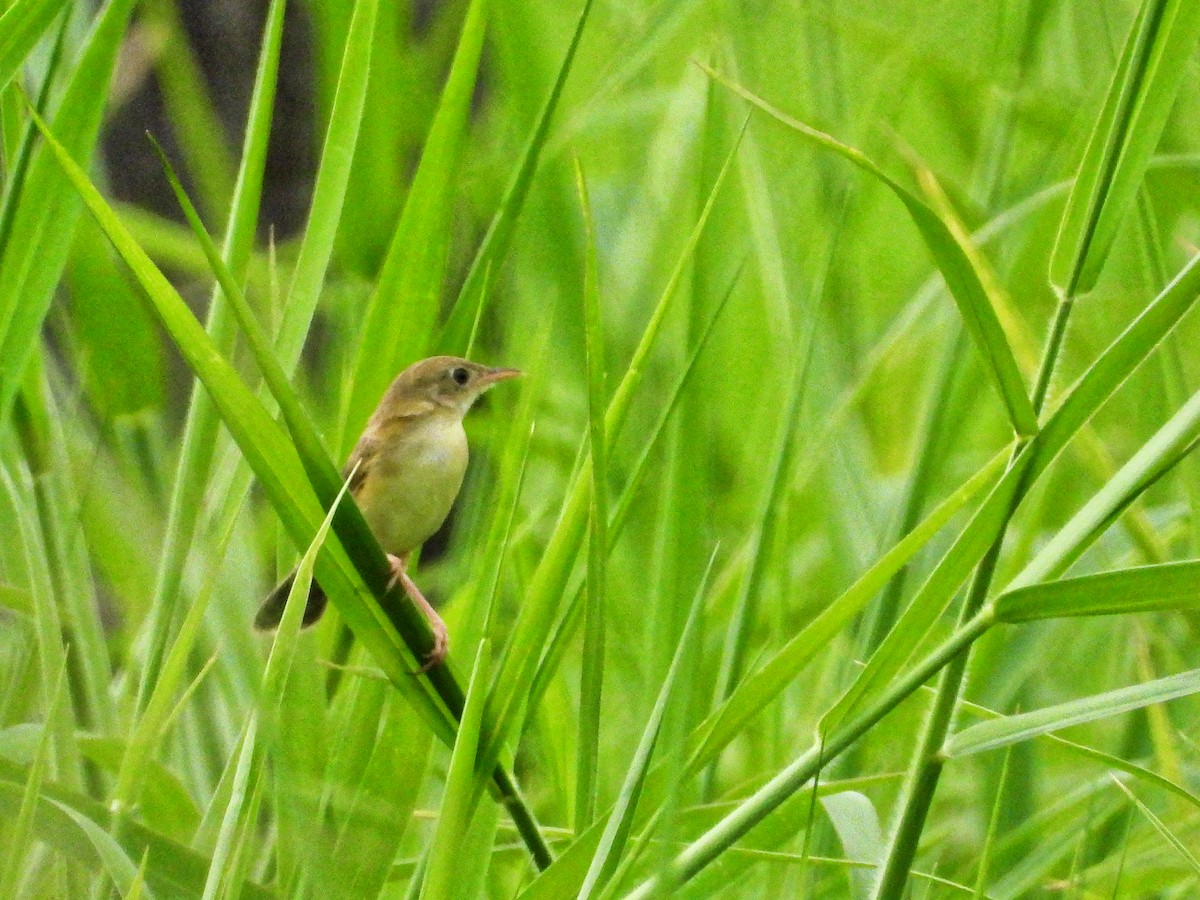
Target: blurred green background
[(835, 404)]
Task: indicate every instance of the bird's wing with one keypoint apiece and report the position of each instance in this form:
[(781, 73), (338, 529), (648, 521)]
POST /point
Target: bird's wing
[(377, 436)]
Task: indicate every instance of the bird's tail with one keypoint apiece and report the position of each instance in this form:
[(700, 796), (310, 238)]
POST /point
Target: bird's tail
[(271, 611)]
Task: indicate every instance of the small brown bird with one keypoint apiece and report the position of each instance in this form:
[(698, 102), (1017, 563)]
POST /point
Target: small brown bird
[(407, 469)]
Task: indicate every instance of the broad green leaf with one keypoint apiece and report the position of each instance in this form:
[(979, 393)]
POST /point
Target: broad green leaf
[(1021, 727), (1153, 62), (951, 259), (856, 822), (1166, 586)]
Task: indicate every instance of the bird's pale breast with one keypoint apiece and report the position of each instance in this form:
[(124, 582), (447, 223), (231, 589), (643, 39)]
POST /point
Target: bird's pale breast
[(411, 485)]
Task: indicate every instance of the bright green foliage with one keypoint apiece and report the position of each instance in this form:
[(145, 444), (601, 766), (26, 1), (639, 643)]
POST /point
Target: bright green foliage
[(705, 579)]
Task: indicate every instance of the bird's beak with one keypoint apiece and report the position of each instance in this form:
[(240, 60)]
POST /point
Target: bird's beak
[(491, 376)]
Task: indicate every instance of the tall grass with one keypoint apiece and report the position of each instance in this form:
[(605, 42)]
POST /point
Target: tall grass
[(839, 541)]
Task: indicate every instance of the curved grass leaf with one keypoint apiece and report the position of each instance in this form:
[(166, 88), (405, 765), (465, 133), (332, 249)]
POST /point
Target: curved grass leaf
[(620, 821), (1009, 730), (201, 425), (1135, 110), (1166, 586), (951, 259)]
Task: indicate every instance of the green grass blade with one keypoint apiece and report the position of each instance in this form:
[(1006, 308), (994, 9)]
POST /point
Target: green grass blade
[(1167, 448), (454, 820), (401, 315), (1161, 827), (496, 242), (201, 426), (1165, 586), (951, 259), (535, 619), (225, 850), (1010, 730), (329, 193), (592, 678), (42, 232), (1101, 380), (1135, 110), (19, 836), (21, 27), (766, 684), (620, 821)]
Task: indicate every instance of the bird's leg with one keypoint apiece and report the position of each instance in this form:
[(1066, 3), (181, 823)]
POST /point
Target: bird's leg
[(441, 638)]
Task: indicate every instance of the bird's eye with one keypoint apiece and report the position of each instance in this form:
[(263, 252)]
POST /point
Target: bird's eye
[(460, 375)]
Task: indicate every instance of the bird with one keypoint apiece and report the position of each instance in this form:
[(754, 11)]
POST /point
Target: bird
[(405, 473)]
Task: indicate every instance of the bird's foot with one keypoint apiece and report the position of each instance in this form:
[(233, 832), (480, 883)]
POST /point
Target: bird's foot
[(441, 637)]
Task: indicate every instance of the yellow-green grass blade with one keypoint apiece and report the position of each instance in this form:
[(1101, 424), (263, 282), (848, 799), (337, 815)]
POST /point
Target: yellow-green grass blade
[(399, 320), (43, 438), (592, 676), (219, 869), (1008, 730), (51, 652), (445, 860), (202, 422), (494, 247), (1149, 73), (41, 232), (1165, 586), (951, 259), (1169, 446)]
